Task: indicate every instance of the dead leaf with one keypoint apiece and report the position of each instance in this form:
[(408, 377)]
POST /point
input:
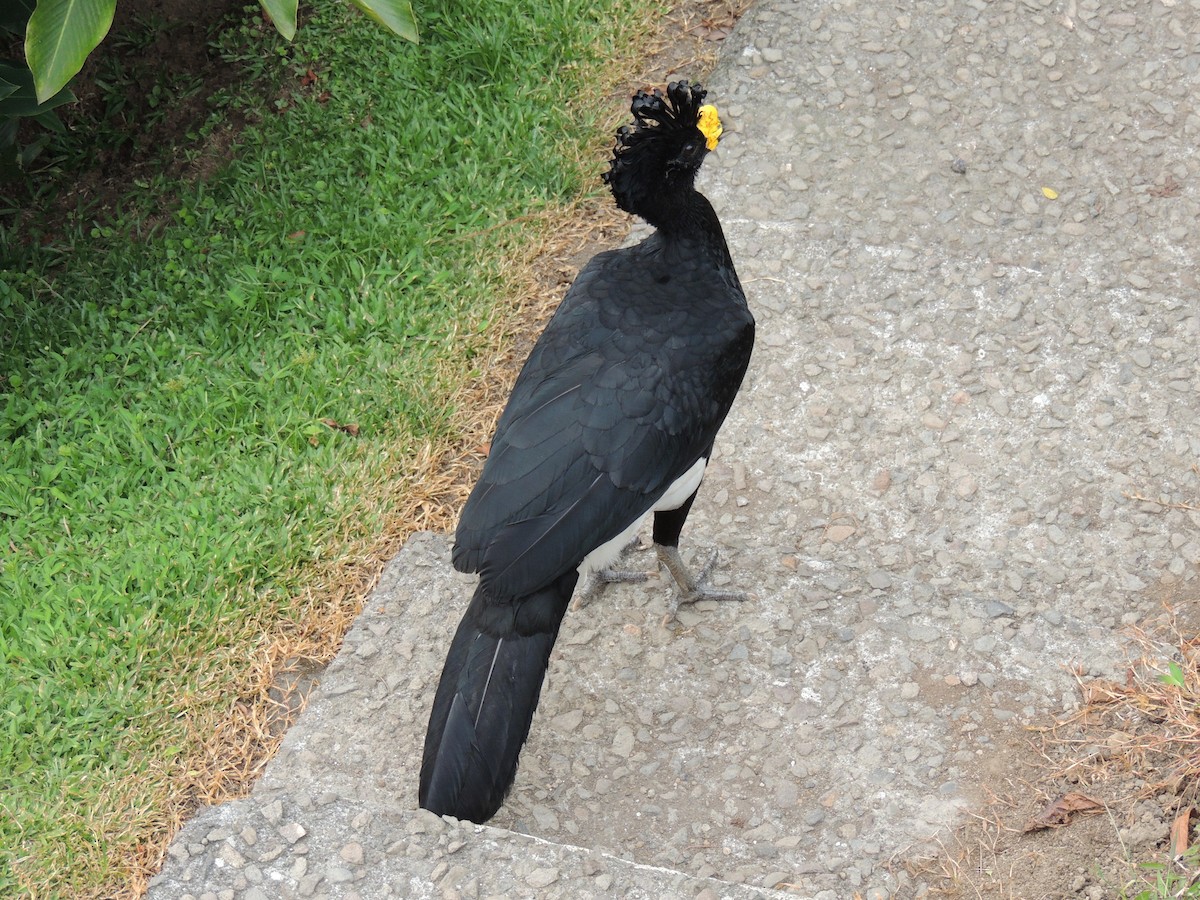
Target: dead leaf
[(1181, 830), (295, 235), (1058, 812), (349, 428), (309, 77), (1049, 193), (1099, 692)]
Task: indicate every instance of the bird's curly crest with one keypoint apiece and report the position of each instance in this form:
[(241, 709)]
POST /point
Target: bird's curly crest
[(663, 124), (656, 114)]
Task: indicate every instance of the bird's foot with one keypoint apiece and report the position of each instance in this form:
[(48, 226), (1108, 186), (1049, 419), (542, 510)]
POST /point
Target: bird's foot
[(692, 589), (602, 578)]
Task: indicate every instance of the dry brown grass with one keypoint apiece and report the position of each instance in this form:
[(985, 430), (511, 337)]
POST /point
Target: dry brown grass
[(1147, 724), (237, 714), (1130, 741)]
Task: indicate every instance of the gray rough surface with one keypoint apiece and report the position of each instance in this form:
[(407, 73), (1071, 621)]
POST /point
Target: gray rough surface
[(963, 459)]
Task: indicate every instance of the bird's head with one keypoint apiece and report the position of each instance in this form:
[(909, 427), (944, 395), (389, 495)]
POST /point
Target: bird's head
[(663, 149)]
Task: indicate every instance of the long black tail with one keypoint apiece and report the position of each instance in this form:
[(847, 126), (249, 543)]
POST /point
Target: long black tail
[(486, 698)]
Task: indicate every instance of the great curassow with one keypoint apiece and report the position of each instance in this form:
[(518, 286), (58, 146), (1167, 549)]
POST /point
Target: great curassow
[(612, 417)]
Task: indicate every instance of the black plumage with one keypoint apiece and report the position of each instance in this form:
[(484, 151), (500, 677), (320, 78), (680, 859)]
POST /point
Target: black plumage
[(613, 416)]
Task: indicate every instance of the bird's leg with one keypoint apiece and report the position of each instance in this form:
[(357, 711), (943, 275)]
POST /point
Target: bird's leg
[(602, 578), (668, 524), (691, 588)]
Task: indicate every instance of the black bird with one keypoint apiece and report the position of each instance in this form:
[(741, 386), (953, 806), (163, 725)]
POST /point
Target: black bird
[(612, 417)]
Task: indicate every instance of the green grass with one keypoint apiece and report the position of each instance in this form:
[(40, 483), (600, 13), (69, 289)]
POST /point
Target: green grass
[(165, 478)]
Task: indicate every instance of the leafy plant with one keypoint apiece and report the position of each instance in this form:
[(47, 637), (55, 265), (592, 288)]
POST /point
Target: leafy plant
[(1173, 677), (1176, 880), (61, 34), (59, 37), (19, 100)]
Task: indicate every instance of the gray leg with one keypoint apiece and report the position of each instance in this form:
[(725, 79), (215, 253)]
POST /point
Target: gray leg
[(691, 588), (602, 578)]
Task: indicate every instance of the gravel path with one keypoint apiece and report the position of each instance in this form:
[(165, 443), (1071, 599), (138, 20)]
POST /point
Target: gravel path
[(966, 455)]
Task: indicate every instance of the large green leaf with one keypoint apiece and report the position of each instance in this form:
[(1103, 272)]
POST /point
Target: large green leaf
[(283, 14), (60, 36), (22, 99), (394, 15)]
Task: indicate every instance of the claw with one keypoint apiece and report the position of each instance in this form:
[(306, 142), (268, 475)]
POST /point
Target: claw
[(692, 589), (602, 578)]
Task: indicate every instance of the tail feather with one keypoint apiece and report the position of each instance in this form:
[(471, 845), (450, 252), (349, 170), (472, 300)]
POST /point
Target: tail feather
[(485, 701)]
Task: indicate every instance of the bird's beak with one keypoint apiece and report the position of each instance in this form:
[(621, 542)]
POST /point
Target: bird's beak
[(709, 124)]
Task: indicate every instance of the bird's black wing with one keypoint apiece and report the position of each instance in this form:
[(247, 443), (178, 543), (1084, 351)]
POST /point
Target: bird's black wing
[(623, 392)]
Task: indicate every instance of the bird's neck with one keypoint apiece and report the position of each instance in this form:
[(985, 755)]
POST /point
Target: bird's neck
[(686, 217)]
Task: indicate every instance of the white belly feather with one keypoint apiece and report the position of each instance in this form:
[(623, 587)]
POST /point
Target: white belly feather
[(674, 497)]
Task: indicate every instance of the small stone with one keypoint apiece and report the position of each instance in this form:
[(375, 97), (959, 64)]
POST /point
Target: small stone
[(541, 878), (568, 721), (545, 817), (622, 743), (880, 580), (352, 853), (839, 533), (273, 811), (292, 832)]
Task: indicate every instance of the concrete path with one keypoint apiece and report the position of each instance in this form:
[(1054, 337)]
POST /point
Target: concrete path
[(966, 455)]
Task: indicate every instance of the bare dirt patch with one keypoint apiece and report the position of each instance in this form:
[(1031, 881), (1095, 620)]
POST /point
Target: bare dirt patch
[(1100, 803)]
